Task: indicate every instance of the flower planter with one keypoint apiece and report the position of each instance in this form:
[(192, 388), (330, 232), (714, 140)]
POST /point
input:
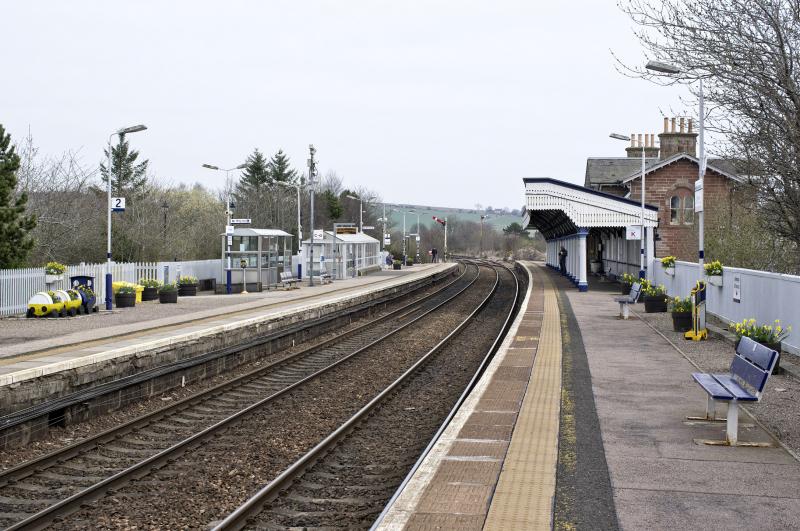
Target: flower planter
[(169, 297), (714, 280), (125, 300), (594, 266), (396, 267), (49, 279), (681, 321), (187, 290), (656, 304), (670, 271), (625, 289), (149, 294)]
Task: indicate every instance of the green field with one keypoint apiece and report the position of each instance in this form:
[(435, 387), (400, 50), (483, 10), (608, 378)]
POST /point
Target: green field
[(426, 214)]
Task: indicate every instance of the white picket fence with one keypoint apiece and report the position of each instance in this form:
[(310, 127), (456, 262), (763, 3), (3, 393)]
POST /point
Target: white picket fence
[(18, 285)]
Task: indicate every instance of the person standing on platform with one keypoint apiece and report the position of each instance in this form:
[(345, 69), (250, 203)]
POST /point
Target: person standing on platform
[(562, 260), (434, 252)]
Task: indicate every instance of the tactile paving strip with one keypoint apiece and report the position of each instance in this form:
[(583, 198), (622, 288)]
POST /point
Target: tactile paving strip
[(523, 498)]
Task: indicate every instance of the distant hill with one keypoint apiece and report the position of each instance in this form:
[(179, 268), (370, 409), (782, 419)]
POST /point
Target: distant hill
[(497, 218)]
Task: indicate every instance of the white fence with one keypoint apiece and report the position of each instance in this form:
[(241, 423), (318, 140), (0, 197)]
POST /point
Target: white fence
[(761, 296), (18, 285)]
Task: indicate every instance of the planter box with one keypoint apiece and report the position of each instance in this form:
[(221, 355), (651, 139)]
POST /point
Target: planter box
[(670, 271), (49, 279), (681, 321), (170, 297), (125, 300), (625, 289), (714, 280), (655, 304), (187, 290), (396, 267), (594, 267), (150, 294)]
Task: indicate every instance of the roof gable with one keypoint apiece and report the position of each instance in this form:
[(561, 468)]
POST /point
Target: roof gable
[(678, 157)]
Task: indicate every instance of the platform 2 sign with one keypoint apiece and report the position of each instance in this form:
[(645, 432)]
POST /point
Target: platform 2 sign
[(117, 204)]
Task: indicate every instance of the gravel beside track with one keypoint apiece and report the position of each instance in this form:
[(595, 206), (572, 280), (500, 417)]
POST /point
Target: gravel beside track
[(215, 476), (350, 485)]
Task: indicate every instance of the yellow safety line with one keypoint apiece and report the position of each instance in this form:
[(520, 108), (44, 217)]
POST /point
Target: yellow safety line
[(524, 495)]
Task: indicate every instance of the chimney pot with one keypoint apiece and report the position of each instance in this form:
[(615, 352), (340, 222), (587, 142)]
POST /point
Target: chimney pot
[(682, 125), (633, 139), (652, 140), (672, 123), (666, 124), (690, 125), (640, 140)]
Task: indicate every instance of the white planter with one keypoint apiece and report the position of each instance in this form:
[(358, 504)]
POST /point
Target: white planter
[(714, 280), (670, 271), (49, 279)]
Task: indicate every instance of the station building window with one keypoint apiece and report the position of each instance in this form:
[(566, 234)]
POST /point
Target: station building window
[(681, 208)]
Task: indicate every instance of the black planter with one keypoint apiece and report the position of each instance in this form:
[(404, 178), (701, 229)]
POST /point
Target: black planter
[(396, 267), (168, 297), (150, 294), (626, 288), (681, 321), (125, 300), (656, 304), (773, 346), (187, 290)]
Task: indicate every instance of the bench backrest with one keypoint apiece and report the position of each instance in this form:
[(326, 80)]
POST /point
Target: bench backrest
[(753, 363), (636, 290)]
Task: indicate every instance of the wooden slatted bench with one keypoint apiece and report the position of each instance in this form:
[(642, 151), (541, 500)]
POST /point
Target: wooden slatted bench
[(631, 298), (288, 280), (750, 369)]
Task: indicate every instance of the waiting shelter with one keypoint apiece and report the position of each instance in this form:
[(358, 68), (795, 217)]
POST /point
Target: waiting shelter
[(343, 255), (265, 253), (590, 225)]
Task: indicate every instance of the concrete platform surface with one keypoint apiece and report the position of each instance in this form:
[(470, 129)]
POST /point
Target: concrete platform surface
[(63, 344)]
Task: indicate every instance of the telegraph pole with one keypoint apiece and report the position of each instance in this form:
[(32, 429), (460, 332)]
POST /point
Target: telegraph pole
[(312, 173)]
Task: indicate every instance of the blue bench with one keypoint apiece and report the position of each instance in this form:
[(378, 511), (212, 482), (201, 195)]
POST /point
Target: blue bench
[(632, 297), (750, 370)]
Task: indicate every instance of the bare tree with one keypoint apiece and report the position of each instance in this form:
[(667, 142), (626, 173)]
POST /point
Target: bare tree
[(747, 54)]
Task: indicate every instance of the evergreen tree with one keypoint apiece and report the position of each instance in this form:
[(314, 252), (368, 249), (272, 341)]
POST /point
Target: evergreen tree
[(334, 206), (279, 169), (15, 226), (128, 178), (254, 176)]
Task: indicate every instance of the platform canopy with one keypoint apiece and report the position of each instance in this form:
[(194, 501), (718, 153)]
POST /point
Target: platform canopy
[(557, 208), (565, 213)]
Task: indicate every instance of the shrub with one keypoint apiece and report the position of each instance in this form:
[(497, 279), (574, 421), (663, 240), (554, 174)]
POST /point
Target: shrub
[(54, 268), (187, 280), (678, 304), (668, 261), (764, 333), (167, 288), (395, 262), (86, 290), (713, 268), (409, 261), (653, 291), (150, 282), (126, 289), (627, 278), (73, 294)]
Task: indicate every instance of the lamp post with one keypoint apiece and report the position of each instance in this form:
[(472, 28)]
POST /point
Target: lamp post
[(312, 173), (641, 215), (121, 133), (360, 211), (228, 287), (404, 236), (165, 207), (417, 240), (666, 68)]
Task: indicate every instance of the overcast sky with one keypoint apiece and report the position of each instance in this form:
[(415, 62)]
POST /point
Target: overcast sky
[(443, 103)]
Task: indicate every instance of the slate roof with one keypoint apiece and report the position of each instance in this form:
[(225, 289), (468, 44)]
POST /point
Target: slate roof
[(620, 170)]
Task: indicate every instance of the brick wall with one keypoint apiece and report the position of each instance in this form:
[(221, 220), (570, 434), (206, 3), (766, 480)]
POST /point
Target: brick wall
[(678, 178)]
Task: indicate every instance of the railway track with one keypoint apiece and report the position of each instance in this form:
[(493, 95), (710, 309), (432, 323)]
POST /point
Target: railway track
[(41, 492), (347, 479)]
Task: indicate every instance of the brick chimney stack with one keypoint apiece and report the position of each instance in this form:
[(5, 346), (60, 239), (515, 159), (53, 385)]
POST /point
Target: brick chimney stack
[(649, 142), (684, 140)]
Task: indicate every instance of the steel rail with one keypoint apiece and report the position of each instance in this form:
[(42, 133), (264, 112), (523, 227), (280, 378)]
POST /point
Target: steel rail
[(56, 457), (64, 507), (238, 518), (467, 390)]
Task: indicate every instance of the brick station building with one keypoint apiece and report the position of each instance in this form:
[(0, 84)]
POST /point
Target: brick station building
[(671, 169)]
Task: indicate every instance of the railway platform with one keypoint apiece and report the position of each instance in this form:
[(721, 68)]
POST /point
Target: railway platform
[(580, 422), (51, 357)]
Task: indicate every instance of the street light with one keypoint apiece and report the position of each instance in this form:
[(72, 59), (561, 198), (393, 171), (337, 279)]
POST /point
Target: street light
[(299, 221), (360, 211), (417, 240), (666, 68), (121, 133), (641, 215), (228, 287)]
